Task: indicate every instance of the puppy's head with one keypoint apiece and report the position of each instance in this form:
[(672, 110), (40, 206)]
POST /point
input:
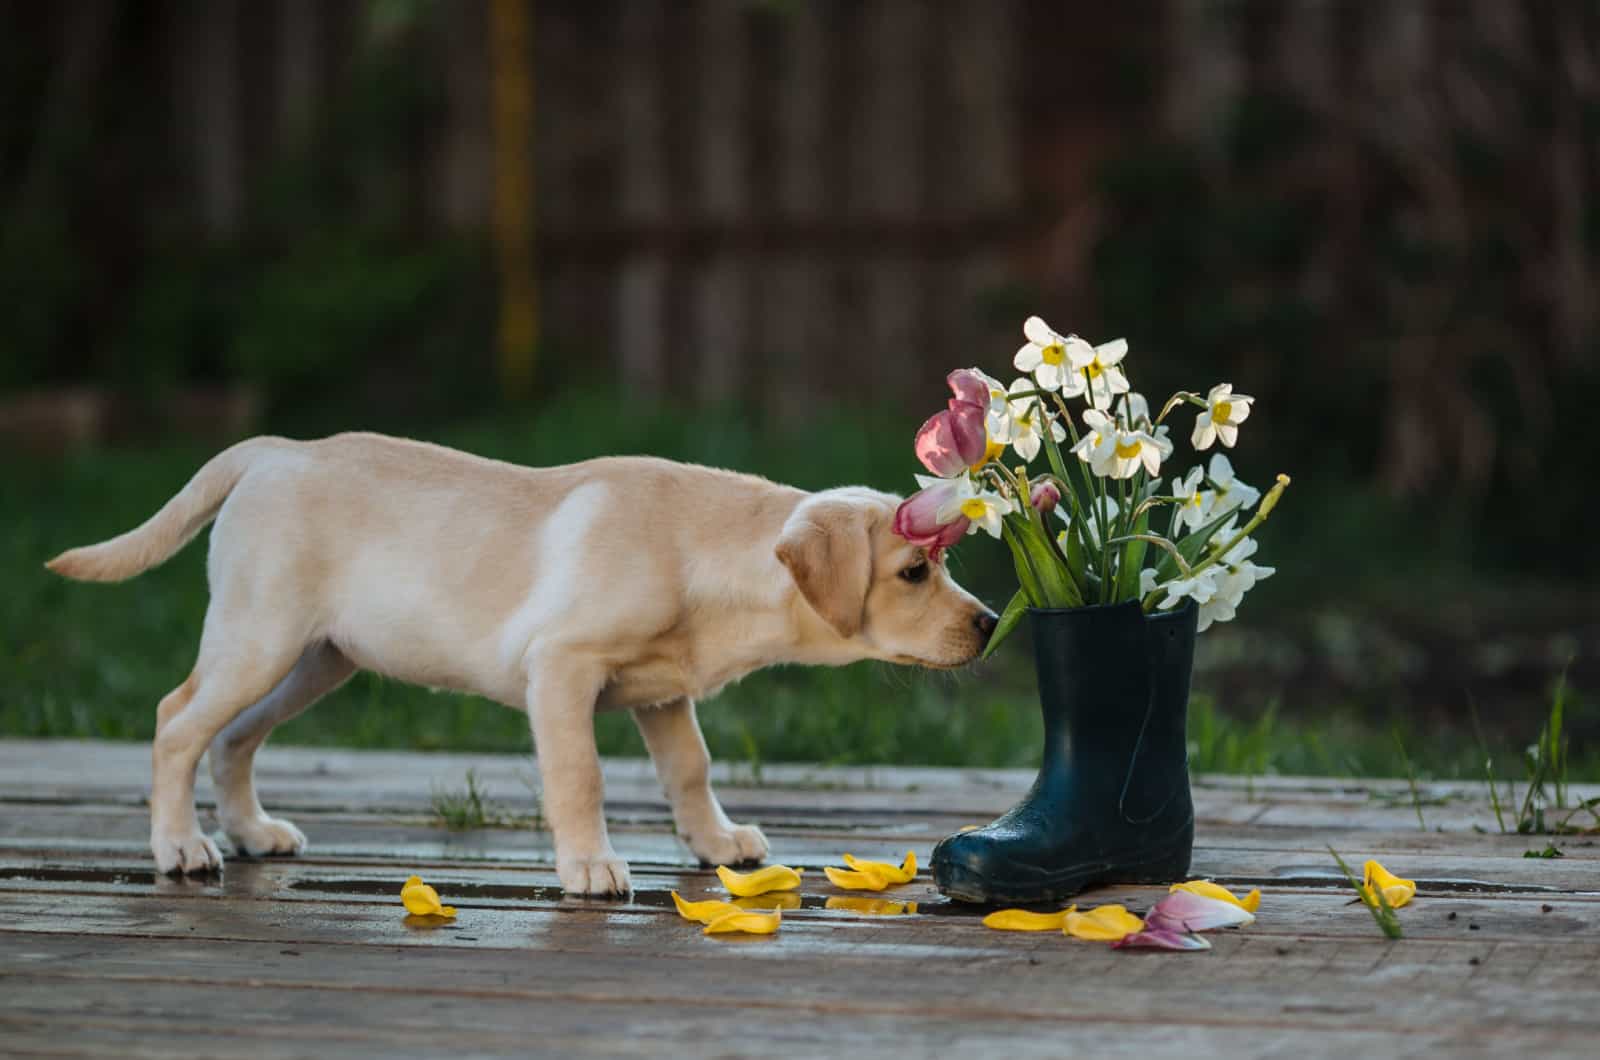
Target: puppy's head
[(877, 594)]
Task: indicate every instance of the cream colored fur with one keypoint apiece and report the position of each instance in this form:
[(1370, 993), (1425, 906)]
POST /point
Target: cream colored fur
[(620, 583)]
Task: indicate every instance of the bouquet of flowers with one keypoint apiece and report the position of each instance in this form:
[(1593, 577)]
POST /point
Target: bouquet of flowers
[(1096, 527)]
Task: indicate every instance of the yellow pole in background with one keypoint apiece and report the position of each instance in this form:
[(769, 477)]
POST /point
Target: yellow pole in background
[(511, 39)]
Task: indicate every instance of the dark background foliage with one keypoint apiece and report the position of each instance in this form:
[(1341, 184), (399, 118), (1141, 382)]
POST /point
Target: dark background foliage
[(771, 227)]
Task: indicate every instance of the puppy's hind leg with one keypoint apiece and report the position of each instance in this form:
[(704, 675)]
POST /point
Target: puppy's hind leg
[(232, 673), (672, 735), (321, 669)]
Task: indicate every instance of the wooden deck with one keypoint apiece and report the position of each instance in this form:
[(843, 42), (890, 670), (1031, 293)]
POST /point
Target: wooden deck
[(315, 957)]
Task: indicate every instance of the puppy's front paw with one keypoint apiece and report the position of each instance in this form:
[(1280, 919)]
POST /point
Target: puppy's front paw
[(192, 854), (600, 874), (738, 844), (265, 836)]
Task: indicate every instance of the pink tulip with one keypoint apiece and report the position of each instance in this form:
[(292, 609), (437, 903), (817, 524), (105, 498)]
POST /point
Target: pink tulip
[(970, 388), (1184, 911), (1156, 939), (1045, 496), (953, 440), (917, 520)]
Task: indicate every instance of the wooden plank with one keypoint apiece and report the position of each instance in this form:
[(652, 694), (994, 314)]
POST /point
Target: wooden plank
[(329, 778), (1440, 862)]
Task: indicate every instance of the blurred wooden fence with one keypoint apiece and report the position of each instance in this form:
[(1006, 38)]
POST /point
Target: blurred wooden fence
[(734, 199)]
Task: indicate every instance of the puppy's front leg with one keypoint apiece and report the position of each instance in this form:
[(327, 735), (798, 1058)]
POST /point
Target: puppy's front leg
[(673, 738), (561, 697)]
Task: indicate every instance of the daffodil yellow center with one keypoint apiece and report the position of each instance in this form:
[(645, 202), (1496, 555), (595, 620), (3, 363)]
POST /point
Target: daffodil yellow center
[(1222, 411), (1129, 449), (1055, 353), (974, 508)]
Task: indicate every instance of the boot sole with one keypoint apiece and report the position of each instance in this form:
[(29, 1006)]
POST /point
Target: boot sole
[(1159, 865)]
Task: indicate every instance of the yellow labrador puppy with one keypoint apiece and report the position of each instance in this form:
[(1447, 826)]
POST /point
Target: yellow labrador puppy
[(619, 583)]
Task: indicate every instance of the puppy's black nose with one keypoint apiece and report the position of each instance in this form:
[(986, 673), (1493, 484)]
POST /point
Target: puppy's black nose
[(986, 621)]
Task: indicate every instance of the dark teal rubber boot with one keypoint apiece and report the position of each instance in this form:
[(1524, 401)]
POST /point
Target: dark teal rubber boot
[(1111, 803)]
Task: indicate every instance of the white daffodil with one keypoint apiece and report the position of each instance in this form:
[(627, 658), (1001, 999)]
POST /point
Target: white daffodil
[(1046, 357), (1097, 366), (1147, 581), (1023, 424), (1194, 504), (1200, 588), (983, 507), (1231, 493), (1223, 413), (1133, 411), (1113, 451), (1098, 446), (1231, 586)]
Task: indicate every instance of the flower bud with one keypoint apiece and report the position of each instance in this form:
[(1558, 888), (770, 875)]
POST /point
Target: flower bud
[(1271, 500), (1044, 496)]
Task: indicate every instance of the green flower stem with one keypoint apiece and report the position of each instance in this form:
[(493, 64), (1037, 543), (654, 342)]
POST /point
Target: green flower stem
[(1269, 503), (1159, 542), (1182, 397)]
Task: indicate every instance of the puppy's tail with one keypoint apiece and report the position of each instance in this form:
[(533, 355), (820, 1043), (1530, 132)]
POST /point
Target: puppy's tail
[(167, 531)]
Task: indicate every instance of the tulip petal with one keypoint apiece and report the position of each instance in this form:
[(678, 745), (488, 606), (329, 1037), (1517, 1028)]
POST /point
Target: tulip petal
[(1398, 892), (1186, 911), (422, 900), (916, 519), (1156, 939), (896, 874), (969, 387), (1106, 923), (746, 923), (768, 902), (935, 445), (1206, 889), (750, 884), (702, 912), (1023, 920), (855, 881)]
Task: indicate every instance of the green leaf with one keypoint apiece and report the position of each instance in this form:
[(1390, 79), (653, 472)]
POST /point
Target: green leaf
[(1019, 557), (1132, 561), (1191, 547), (1008, 622), (1047, 565)]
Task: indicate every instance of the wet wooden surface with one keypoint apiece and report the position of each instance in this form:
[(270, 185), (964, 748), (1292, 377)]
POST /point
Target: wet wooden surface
[(315, 956)]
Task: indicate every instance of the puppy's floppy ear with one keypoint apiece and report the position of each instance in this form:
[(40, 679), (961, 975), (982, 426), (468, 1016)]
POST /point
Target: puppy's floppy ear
[(827, 546)]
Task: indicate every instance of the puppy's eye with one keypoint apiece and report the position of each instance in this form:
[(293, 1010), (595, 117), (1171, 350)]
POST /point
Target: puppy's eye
[(917, 573)]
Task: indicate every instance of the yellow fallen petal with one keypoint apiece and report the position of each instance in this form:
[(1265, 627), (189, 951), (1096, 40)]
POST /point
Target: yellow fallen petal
[(969, 828), (1023, 920), (902, 873), (855, 881), (750, 884), (1206, 889), (768, 902), (1106, 923), (1397, 891), (702, 912), (748, 923), (422, 900), (870, 906)]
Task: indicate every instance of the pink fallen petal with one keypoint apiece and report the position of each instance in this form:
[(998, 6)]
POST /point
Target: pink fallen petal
[(953, 440), (1183, 911), (1158, 939), (969, 387), (917, 520)]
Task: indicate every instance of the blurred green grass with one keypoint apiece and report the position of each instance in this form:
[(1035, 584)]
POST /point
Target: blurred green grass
[(92, 661)]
